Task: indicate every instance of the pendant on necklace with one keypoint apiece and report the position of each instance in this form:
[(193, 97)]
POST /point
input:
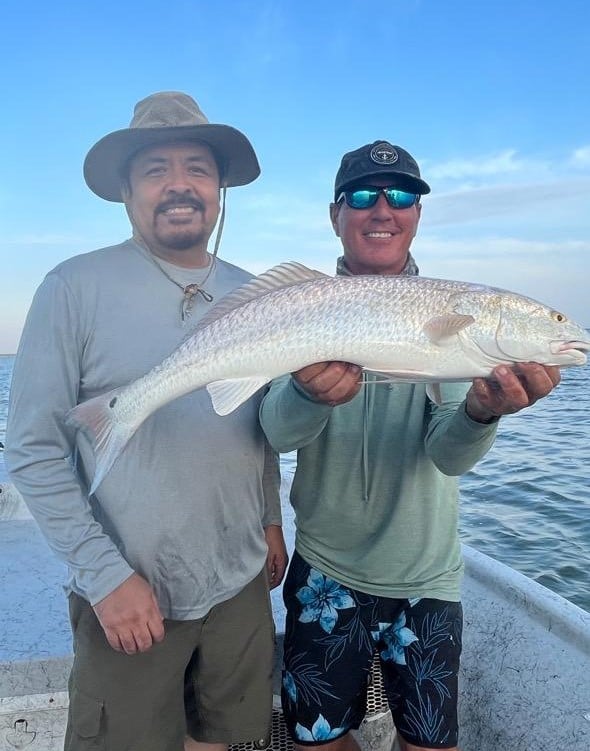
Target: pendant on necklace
[(186, 306)]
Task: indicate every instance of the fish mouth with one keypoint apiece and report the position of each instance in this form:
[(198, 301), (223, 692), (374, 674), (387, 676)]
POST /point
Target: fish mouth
[(577, 350)]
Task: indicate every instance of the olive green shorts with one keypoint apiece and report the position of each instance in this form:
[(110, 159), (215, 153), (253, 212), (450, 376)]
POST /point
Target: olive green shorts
[(209, 678)]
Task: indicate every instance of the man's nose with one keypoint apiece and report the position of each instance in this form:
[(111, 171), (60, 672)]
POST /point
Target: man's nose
[(178, 180), (382, 207)]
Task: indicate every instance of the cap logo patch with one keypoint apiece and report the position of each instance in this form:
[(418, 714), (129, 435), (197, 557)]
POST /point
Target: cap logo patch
[(384, 153)]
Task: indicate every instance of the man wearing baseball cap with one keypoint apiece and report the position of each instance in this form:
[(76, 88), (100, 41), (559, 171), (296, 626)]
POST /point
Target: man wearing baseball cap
[(377, 564), (171, 559)]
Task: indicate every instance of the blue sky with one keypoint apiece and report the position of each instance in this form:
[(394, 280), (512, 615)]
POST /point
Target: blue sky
[(492, 98)]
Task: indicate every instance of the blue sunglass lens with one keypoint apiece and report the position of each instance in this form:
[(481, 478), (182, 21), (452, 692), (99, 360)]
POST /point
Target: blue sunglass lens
[(399, 199), (364, 198)]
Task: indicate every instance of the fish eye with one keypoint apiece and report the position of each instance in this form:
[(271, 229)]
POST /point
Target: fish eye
[(559, 317)]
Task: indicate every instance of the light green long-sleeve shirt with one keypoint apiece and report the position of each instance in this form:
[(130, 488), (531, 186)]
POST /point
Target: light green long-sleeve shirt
[(186, 502), (375, 491)]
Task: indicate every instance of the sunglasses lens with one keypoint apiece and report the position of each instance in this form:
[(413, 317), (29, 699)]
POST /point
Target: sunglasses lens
[(363, 198), (399, 199)]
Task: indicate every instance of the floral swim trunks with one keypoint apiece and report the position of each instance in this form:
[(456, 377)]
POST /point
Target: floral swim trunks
[(332, 633)]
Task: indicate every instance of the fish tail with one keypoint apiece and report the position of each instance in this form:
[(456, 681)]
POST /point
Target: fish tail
[(109, 435)]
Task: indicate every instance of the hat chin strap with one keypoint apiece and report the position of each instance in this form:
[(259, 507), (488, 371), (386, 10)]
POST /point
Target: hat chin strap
[(221, 221)]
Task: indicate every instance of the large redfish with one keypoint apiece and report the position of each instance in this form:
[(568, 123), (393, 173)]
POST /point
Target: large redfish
[(405, 328)]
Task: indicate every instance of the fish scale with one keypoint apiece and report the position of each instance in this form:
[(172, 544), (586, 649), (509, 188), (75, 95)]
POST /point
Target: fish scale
[(405, 328)]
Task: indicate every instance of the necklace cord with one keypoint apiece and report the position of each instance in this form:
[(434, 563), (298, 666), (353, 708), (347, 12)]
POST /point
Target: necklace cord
[(190, 290)]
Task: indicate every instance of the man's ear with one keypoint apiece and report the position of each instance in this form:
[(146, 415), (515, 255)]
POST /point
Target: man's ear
[(334, 210), (419, 209)]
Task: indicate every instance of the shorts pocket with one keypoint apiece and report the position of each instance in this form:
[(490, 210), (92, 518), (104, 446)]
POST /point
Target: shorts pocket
[(85, 719)]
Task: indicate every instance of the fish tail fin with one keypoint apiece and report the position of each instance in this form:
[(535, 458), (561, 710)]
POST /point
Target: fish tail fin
[(109, 435)]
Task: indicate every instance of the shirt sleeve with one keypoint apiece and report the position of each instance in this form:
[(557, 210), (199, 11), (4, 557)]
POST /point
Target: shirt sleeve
[(39, 447), (289, 417), (271, 487), (455, 442)]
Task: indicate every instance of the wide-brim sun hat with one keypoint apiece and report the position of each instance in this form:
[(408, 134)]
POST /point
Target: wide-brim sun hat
[(166, 117)]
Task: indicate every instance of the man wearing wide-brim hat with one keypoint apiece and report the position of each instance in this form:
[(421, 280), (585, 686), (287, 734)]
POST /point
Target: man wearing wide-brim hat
[(170, 558)]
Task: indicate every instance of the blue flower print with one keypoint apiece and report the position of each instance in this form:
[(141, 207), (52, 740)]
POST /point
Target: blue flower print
[(321, 731), (322, 598), (289, 686), (396, 637)]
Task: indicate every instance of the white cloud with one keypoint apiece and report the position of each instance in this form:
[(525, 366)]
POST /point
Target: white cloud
[(555, 273), (472, 204), (484, 166), (507, 165), (581, 157)]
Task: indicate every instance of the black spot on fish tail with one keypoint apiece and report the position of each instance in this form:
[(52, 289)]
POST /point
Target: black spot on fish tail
[(113, 402)]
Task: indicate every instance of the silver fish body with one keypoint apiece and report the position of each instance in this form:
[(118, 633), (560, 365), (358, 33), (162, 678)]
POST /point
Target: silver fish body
[(406, 328)]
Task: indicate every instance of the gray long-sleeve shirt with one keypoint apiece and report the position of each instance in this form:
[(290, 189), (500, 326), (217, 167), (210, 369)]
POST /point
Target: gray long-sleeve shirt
[(186, 502)]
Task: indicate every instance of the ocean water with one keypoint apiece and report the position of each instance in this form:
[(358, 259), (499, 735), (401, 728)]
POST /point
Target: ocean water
[(527, 503)]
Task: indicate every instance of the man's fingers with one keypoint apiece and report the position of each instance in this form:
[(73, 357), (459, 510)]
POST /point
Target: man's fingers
[(156, 629), (336, 384), (554, 374), (537, 380), (143, 639), (113, 640), (307, 374), (130, 616), (278, 572), (510, 389), (136, 640), (128, 642), (512, 394)]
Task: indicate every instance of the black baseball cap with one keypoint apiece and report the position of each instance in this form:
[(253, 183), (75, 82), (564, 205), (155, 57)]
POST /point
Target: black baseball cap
[(380, 158)]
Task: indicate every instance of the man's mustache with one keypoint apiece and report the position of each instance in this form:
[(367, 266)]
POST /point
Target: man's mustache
[(178, 201)]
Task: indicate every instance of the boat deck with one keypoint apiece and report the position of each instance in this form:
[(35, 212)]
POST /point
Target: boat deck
[(525, 678)]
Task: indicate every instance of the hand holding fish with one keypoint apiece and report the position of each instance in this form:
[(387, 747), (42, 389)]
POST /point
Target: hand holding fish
[(330, 382), (509, 389), (130, 616)]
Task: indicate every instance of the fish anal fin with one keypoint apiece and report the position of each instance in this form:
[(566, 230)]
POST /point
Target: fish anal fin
[(227, 395), (443, 327)]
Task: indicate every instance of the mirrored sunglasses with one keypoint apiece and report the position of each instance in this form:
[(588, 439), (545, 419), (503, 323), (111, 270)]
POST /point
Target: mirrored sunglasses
[(364, 198)]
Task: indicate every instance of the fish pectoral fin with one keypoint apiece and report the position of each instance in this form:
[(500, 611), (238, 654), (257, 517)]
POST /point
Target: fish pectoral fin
[(443, 327), (228, 394)]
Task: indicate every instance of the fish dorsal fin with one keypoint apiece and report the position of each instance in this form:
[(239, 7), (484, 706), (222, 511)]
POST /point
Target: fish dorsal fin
[(443, 327), (286, 274)]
